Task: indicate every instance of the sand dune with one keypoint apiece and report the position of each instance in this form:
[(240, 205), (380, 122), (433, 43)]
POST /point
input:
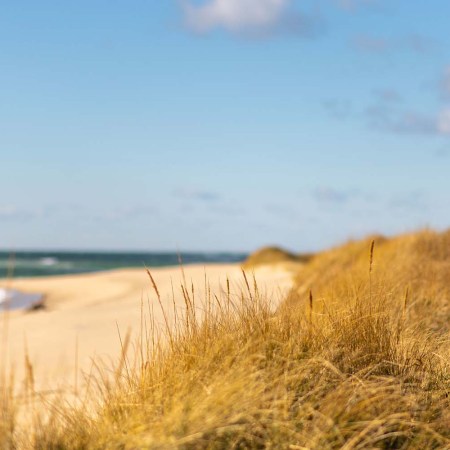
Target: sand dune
[(83, 313)]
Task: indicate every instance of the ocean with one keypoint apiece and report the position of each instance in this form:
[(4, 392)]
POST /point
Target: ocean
[(38, 264)]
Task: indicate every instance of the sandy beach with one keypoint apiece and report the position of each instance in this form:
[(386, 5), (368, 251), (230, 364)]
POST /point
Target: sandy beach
[(83, 313)]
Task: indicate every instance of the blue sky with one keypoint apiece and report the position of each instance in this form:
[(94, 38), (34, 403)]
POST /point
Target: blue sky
[(222, 124)]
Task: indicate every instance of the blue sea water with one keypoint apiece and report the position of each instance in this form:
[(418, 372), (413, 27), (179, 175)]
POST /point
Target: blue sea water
[(38, 264), (35, 264)]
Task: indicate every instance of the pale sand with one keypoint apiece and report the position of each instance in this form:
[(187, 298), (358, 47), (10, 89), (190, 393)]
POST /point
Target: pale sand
[(88, 309)]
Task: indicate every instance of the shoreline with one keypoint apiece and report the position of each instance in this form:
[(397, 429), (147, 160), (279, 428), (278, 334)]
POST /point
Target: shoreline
[(83, 313), (38, 264), (117, 269)]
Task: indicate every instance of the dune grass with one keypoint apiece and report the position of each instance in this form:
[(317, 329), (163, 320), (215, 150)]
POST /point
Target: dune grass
[(274, 255), (356, 357)]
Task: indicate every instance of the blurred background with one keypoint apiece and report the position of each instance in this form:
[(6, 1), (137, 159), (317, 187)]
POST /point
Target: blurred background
[(221, 125)]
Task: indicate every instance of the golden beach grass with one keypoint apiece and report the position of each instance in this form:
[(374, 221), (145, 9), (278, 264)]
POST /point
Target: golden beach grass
[(357, 357)]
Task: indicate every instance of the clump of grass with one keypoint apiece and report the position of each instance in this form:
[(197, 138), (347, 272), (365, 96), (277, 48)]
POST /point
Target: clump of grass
[(356, 365), (274, 255)]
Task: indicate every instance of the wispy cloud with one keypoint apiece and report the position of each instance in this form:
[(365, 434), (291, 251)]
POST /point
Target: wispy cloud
[(443, 124), (415, 43), (445, 84), (443, 120), (327, 194), (388, 95), (408, 122), (409, 201), (248, 17), (388, 113), (384, 118), (205, 196)]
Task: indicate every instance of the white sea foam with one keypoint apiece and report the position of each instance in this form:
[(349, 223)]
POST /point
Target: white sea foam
[(48, 261)]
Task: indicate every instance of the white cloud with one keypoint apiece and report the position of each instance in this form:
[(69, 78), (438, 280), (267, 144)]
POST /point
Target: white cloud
[(443, 124), (235, 15)]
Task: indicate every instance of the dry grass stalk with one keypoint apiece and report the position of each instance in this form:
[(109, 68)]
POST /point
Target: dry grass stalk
[(372, 247)]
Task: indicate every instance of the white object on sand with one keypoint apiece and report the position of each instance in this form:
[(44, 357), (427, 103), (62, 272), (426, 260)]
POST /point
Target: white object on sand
[(11, 299)]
